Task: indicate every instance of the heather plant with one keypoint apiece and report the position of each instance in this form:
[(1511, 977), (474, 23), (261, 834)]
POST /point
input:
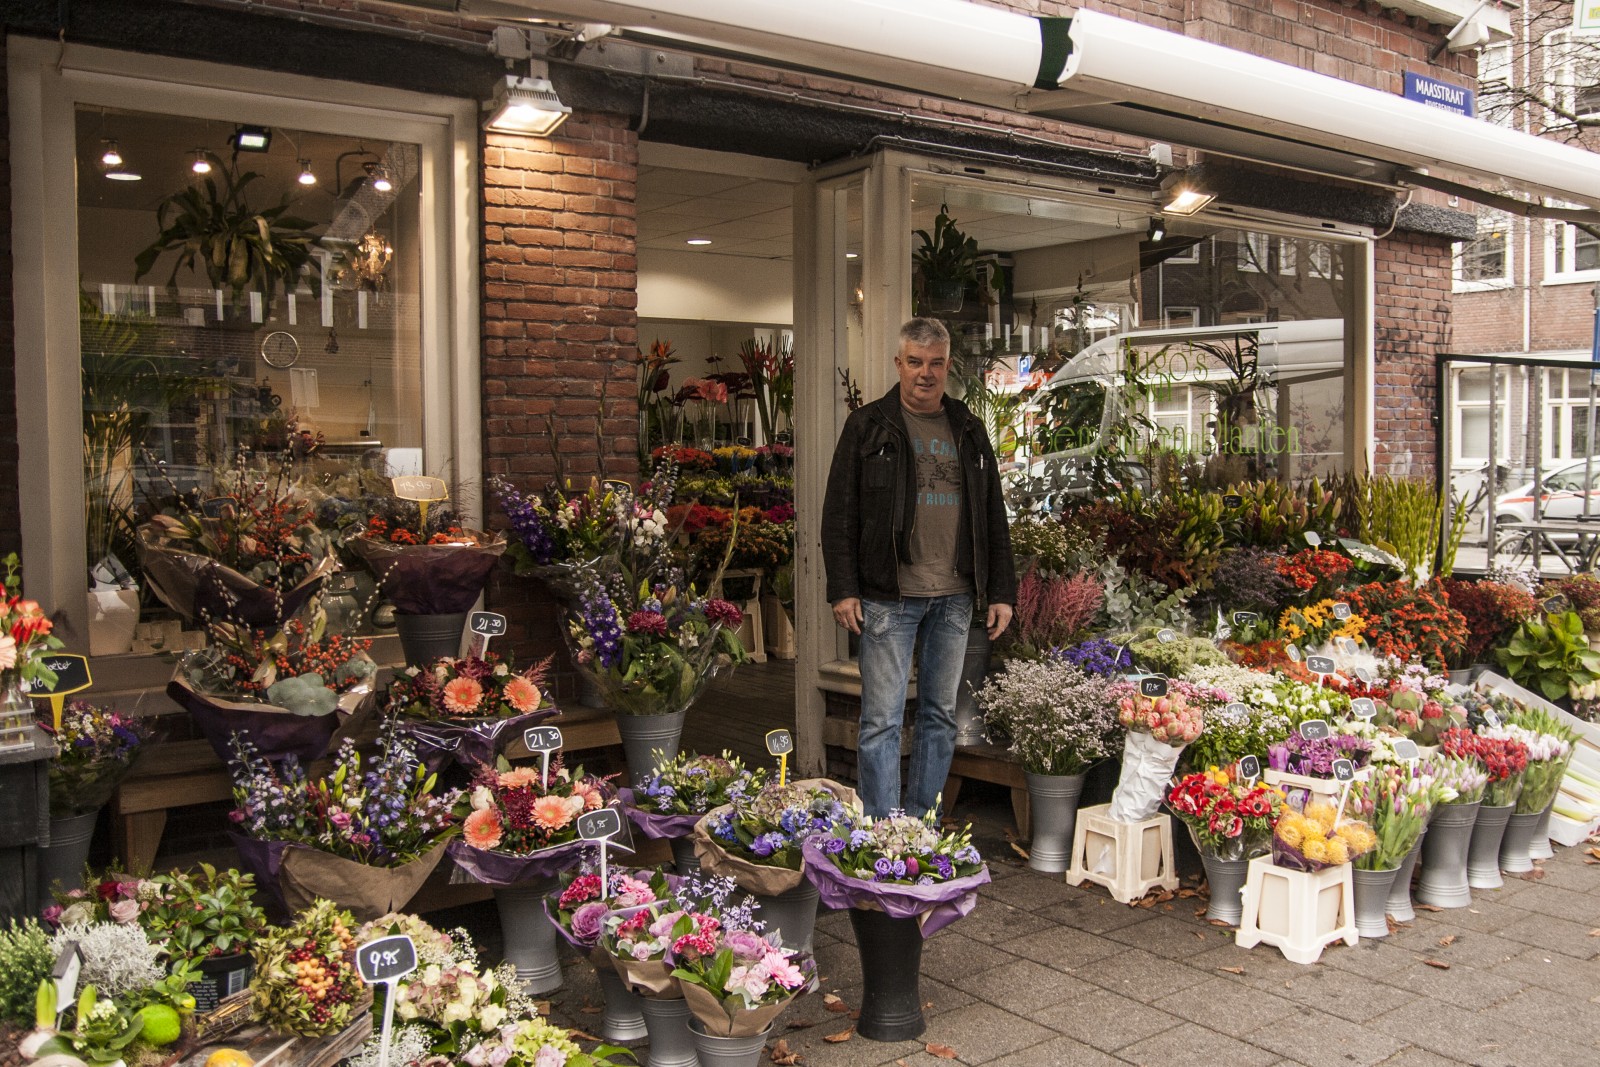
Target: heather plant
[(1058, 719), (1249, 579)]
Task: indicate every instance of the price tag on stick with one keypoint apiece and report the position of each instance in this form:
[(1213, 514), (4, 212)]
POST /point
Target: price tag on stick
[(600, 826), (64, 973), (1341, 611), (1232, 501), (1249, 769), (422, 490), (1242, 619), (1363, 708), (1153, 685), (780, 743), (484, 625), (384, 962), (1406, 750), (1321, 666), (543, 740), (72, 676), (1166, 637), (1293, 652), (1315, 729), (1343, 771)]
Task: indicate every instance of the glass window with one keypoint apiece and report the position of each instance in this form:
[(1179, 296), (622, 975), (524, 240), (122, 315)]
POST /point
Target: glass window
[(204, 352), (1485, 260), (1567, 398), (1496, 102), (1573, 250)]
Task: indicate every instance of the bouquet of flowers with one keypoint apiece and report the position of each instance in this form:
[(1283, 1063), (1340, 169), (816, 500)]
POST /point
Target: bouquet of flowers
[(370, 832), (736, 980), (1316, 625), (1459, 780), (434, 568), (639, 940), (518, 824), (652, 648), (1157, 730), (95, 748), (578, 907), (256, 556), (672, 799), (756, 840), (1315, 759), (102, 898), (1059, 719), (25, 632), (902, 865), (1316, 839), (305, 977), (1502, 756), (532, 1042), (460, 708), (1396, 802), (291, 692), (564, 537), (1549, 742), (1226, 817)]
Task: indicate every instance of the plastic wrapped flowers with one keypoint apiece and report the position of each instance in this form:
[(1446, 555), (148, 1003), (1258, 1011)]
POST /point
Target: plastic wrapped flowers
[(1228, 818), (767, 828), (669, 802), (1316, 838)]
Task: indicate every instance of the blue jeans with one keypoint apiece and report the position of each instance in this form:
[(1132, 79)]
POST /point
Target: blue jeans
[(935, 628)]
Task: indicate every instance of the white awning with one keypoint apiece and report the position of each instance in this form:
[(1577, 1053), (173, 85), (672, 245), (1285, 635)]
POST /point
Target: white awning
[(1108, 73)]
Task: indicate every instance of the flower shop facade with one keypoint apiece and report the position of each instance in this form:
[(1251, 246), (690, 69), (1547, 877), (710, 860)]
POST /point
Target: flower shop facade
[(484, 295)]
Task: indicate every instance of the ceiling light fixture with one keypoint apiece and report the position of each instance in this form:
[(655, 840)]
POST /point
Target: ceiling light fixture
[(251, 139), (201, 164), (306, 177), (112, 156), (381, 180), (1158, 229), (1181, 196), (124, 173), (526, 105), (697, 241), (852, 255)]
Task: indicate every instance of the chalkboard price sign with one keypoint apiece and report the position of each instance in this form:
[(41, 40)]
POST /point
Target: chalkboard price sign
[(542, 738), (1249, 768), (1166, 637), (1293, 653), (1232, 500), (1153, 685), (1363, 708), (1364, 676), (1406, 749), (388, 959), (487, 623), (1314, 729), (780, 742), (419, 487), (1245, 618), (600, 825), (1313, 538), (1344, 770), (72, 675), (1319, 664)]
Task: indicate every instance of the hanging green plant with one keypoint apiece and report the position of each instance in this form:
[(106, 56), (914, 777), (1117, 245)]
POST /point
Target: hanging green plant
[(213, 228)]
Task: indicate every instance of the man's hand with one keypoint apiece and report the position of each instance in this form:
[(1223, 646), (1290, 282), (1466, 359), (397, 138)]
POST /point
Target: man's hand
[(847, 613), (999, 619)]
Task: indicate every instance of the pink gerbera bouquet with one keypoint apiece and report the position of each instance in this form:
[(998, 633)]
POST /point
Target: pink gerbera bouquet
[(469, 688), (517, 810)]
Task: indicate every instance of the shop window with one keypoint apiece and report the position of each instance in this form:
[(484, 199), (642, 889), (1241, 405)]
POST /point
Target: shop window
[(1485, 261), (1568, 395), (1180, 316)]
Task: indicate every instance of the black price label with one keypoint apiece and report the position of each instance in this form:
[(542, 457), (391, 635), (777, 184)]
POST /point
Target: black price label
[(600, 825), (1344, 770), (780, 742), (1153, 685), (1249, 767), (1319, 664), (487, 623), (1363, 708), (1314, 730), (542, 738), (1406, 749), (1293, 653), (1246, 618), (72, 675), (1232, 500), (387, 959), (1166, 637), (1559, 604), (1313, 538), (1341, 610), (1364, 676), (617, 485)]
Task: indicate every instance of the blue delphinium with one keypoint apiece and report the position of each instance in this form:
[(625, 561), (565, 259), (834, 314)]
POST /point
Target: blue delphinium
[(1096, 656), (525, 521)]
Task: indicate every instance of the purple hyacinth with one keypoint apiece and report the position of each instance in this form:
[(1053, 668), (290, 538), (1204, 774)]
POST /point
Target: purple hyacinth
[(600, 621)]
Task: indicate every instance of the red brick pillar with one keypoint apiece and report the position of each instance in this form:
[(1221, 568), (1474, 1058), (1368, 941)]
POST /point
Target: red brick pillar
[(560, 325), (1411, 280)]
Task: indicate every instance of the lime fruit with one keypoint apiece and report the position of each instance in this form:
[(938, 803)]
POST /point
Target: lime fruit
[(161, 1025)]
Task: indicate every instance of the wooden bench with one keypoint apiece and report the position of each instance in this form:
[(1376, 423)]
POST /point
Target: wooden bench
[(179, 774)]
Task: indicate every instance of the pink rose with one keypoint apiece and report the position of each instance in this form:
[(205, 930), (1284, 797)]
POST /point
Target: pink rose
[(124, 911)]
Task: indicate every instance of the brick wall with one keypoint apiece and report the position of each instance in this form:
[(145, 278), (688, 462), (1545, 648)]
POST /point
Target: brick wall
[(559, 319), (1412, 278)]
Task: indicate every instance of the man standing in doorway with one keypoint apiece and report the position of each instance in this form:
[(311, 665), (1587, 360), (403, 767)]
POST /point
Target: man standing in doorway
[(914, 534)]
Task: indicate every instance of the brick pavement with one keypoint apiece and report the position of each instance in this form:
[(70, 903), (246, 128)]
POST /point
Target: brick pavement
[(1043, 974)]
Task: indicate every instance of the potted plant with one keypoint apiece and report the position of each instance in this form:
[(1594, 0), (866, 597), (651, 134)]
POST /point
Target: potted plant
[(947, 262), (207, 917), (95, 748), (1231, 821), (1551, 657), (1494, 609), (1060, 721), (214, 230)]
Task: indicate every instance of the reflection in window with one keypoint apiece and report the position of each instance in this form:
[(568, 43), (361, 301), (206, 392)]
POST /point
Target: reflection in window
[(1573, 250), (1486, 258), (269, 302)]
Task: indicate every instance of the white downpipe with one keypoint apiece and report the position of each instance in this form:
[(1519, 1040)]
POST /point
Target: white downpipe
[(949, 48), (1125, 61)]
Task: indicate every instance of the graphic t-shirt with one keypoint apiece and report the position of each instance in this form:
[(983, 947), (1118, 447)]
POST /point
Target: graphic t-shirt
[(931, 568)]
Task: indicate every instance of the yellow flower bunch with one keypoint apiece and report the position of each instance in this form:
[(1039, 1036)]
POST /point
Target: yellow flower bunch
[(1317, 623), (1315, 836)]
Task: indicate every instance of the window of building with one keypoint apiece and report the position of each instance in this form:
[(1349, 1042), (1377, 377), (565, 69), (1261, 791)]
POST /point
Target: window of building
[(1566, 427), (1572, 251), (1573, 66), (1260, 253), (1485, 262), (1180, 316), (1496, 103), (1469, 432)]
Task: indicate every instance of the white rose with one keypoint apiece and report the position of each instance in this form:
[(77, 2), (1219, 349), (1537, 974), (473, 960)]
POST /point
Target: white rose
[(482, 798), (491, 1016), (455, 1012)]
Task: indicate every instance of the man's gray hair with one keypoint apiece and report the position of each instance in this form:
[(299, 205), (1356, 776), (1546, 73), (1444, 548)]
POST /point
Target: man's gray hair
[(927, 333)]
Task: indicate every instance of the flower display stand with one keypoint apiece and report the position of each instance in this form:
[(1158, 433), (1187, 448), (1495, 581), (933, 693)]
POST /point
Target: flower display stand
[(780, 629), (1297, 912), (1128, 858), (1319, 788)]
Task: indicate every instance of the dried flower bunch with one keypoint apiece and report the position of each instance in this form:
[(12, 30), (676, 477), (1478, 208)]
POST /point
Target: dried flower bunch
[(1059, 719)]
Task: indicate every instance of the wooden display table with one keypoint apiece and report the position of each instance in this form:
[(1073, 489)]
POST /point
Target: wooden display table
[(285, 1050)]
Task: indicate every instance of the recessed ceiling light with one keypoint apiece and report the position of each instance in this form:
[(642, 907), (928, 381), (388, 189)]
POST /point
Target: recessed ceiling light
[(852, 255), (123, 174), (698, 241)]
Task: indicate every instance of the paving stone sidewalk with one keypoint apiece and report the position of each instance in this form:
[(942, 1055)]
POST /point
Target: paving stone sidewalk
[(1044, 974)]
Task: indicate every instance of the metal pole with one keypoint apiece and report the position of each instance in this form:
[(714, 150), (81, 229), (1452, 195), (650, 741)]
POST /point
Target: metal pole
[(1494, 453)]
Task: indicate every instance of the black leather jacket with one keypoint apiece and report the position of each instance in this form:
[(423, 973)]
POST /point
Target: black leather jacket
[(870, 507)]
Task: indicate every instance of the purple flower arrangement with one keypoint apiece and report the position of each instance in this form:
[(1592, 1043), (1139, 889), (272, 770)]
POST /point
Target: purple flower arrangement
[(769, 826), (1315, 759), (1098, 656), (900, 849), (382, 812)]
